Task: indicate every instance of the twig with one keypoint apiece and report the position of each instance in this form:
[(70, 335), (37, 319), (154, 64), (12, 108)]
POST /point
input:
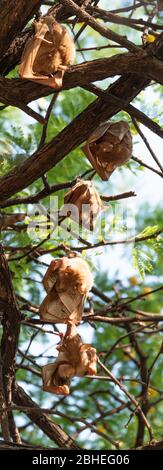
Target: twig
[(118, 196), (147, 144), (48, 113), (98, 27), (155, 360), (140, 296), (132, 399), (136, 239)]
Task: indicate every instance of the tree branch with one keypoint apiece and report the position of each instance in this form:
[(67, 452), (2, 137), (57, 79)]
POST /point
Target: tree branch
[(9, 343), (107, 33), (154, 445), (17, 92), (14, 16), (51, 429), (72, 136)]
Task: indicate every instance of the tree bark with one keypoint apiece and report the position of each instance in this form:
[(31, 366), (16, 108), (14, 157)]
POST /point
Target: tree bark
[(14, 16), (51, 429)]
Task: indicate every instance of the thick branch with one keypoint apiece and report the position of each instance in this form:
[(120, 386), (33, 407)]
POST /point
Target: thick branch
[(18, 92), (107, 33), (14, 16), (155, 445), (51, 429), (117, 19), (11, 327)]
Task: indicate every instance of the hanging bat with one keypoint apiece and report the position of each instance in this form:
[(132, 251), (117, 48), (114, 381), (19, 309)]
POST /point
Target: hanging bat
[(84, 196), (48, 54), (108, 147), (75, 359), (67, 282)]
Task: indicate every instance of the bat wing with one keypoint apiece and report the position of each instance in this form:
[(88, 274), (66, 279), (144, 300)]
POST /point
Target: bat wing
[(51, 276), (96, 165), (27, 59), (74, 194), (74, 304), (53, 310)]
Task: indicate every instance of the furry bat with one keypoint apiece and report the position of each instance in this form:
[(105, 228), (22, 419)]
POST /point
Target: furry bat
[(48, 54), (67, 282), (108, 147), (75, 359), (87, 200)]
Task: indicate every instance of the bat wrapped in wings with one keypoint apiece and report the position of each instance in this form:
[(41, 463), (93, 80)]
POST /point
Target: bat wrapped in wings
[(48, 54), (108, 147), (85, 198), (75, 359), (67, 282)]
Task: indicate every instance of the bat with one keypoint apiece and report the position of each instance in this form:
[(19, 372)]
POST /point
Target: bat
[(48, 54), (67, 282), (108, 147), (75, 359), (85, 198)]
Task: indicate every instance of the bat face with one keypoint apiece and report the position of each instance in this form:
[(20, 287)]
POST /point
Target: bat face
[(67, 282), (108, 147), (48, 54), (74, 359), (87, 200)]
